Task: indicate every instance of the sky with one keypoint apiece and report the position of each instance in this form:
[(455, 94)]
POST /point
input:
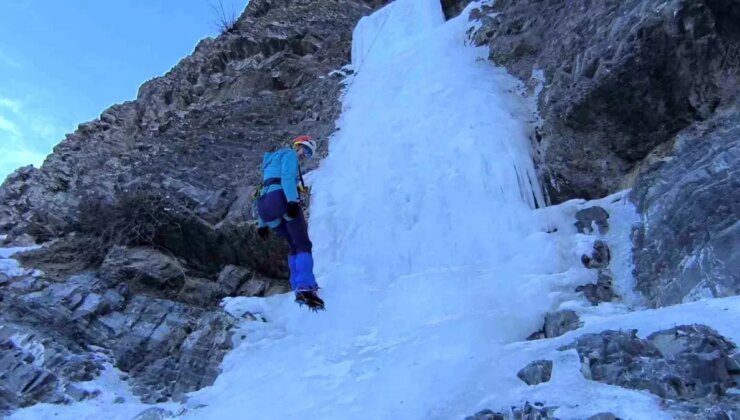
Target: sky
[(63, 62)]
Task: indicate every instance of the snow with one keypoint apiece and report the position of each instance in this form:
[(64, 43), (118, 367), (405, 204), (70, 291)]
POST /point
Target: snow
[(11, 267), (435, 254), (116, 402)]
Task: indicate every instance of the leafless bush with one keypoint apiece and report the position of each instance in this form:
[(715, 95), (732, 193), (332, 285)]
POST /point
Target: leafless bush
[(225, 20), (134, 217)]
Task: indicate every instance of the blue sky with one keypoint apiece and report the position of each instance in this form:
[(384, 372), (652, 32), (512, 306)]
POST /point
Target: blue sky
[(63, 62)]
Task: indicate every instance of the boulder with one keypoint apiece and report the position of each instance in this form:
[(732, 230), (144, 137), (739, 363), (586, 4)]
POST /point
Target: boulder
[(560, 322), (603, 416), (143, 268), (600, 256), (201, 292), (254, 287), (601, 291), (536, 372), (154, 413), (589, 217), (557, 324), (232, 277)]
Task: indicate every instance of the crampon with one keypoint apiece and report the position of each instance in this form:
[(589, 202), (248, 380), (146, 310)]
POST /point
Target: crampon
[(310, 299)]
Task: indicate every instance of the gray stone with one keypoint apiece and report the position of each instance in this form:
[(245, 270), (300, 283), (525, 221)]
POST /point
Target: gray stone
[(143, 269), (592, 216), (22, 240), (487, 414), (528, 411), (254, 287), (536, 411), (560, 322), (232, 277), (556, 324), (601, 291), (277, 288), (688, 246), (600, 256), (154, 413), (733, 364), (686, 363), (536, 372), (79, 394), (603, 416), (201, 292)]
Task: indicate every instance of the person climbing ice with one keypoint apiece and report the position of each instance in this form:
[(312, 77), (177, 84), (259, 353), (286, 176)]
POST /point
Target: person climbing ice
[(279, 209)]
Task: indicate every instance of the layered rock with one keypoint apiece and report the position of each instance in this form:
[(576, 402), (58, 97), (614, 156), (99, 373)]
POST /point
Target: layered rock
[(688, 245), (692, 365), (643, 94), (72, 327), (618, 78)]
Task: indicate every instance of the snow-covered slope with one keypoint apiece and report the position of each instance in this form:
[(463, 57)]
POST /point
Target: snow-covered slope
[(433, 257)]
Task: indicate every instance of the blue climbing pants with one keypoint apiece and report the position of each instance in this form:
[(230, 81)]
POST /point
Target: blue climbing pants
[(272, 207)]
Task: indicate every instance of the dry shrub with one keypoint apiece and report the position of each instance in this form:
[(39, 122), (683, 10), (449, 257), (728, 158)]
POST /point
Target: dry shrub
[(225, 21), (134, 217)]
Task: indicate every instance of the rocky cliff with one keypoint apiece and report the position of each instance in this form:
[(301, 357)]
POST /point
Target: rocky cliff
[(146, 211), (639, 94), (619, 78), (643, 94)]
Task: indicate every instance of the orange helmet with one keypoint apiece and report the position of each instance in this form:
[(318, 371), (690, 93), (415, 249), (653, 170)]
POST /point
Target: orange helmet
[(307, 142)]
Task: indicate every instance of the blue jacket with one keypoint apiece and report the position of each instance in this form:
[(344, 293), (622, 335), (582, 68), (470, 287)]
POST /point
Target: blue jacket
[(281, 164)]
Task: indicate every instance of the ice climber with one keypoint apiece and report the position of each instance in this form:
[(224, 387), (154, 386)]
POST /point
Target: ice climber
[(279, 209)]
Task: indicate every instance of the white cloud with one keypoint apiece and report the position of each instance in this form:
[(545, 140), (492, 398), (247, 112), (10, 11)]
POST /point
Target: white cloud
[(10, 104), (13, 158), (9, 127), (26, 135)]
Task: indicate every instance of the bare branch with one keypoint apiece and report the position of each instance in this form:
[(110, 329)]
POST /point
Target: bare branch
[(225, 21)]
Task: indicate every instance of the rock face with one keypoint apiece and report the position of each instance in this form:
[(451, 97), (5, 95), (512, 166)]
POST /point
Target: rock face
[(688, 246), (643, 94), (168, 348), (34, 369), (691, 364), (620, 78), (148, 210)]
